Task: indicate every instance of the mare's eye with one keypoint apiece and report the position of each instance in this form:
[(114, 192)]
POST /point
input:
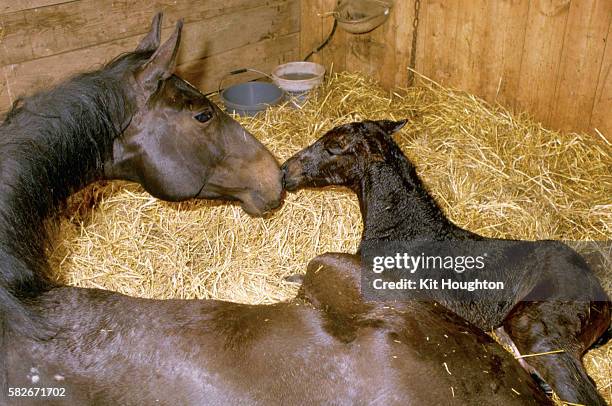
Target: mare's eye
[(203, 116)]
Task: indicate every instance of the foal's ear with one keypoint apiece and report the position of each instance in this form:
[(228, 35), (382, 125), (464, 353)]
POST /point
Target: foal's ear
[(390, 126), (161, 65), (151, 41)]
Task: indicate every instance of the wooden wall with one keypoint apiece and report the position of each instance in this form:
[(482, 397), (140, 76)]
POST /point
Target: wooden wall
[(552, 58), (43, 41)]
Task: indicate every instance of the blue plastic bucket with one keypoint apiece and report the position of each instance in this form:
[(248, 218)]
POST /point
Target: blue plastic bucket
[(248, 99)]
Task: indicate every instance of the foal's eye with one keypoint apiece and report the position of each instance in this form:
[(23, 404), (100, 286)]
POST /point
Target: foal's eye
[(335, 148), (203, 116)]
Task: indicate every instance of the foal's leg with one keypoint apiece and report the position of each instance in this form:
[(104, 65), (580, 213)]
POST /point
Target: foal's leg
[(506, 340), (537, 327)]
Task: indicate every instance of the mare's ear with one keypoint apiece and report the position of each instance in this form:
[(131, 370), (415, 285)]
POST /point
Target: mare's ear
[(163, 62), (151, 41), (390, 127)]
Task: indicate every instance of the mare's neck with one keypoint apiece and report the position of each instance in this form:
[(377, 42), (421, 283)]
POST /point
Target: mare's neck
[(52, 145), (396, 206)]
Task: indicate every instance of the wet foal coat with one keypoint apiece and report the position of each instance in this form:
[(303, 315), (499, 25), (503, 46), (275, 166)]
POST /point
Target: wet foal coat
[(557, 304)]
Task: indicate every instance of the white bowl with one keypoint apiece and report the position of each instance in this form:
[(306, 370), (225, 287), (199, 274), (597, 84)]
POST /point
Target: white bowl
[(298, 77)]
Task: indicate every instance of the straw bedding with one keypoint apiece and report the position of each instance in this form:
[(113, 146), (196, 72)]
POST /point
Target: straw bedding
[(495, 173)]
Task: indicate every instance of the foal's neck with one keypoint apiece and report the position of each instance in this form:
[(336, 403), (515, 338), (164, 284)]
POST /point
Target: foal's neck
[(396, 206)]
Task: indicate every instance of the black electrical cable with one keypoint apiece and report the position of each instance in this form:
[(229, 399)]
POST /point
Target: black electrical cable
[(324, 43)]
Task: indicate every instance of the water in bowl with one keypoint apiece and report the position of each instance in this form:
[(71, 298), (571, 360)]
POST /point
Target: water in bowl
[(298, 76)]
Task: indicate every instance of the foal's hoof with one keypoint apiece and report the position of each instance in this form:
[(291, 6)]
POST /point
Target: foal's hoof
[(542, 383), (295, 278), (603, 340)]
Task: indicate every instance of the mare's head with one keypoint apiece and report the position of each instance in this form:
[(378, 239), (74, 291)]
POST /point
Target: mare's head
[(178, 145), (341, 156)]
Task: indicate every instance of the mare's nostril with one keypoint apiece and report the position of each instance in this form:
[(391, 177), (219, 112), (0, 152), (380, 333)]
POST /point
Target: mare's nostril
[(275, 204)]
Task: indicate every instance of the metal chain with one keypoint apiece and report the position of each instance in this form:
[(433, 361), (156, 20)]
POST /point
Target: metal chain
[(415, 30)]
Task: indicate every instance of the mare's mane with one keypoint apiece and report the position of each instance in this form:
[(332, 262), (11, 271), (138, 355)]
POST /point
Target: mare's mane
[(51, 144)]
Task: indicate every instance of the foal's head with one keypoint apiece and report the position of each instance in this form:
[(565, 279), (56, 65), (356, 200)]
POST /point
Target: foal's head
[(178, 145), (341, 156)]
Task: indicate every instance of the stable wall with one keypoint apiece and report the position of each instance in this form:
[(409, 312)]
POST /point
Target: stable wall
[(551, 58), (43, 41)]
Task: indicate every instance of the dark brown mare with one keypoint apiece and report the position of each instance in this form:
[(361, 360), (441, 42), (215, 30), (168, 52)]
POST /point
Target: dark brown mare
[(134, 120), (552, 301)]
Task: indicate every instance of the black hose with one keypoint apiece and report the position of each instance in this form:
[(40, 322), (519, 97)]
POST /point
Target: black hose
[(324, 43)]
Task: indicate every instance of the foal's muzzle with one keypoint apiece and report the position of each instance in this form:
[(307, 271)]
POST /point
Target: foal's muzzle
[(291, 171)]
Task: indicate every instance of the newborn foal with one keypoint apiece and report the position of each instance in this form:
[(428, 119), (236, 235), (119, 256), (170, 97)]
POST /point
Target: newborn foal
[(395, 206)]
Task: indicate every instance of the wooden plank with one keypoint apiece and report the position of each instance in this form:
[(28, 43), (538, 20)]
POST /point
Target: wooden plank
[(540, 59), (333, 56), (316, 25), (32, 34), (487, 61), (601, 117), (373, 53), (31, 76), (264, 56), (198, 42), (399, 33), (5, 95), (422, 56), (311, 33), (503, 48), (393, 42), (222, 33), (469, 44), (206, 73), (584, 46), (11, 6), (361, 50), (358, 54), (439, 41)]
